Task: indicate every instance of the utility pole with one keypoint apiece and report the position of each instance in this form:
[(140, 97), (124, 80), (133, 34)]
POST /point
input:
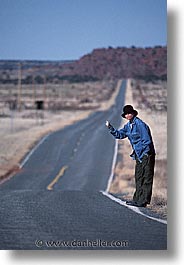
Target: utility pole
[(44, 89), (33, 89), (19, 86), (44, 97)]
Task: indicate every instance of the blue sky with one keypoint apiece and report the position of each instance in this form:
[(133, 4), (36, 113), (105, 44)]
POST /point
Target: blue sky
[(68, 29)]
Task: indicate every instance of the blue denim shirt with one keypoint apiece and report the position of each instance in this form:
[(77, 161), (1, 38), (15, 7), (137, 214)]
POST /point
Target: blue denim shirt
[(139, 136)]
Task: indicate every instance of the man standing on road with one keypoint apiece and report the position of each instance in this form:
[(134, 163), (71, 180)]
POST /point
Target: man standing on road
[(140, 138)]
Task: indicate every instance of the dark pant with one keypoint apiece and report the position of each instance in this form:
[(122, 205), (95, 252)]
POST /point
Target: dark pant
[(144, 172)]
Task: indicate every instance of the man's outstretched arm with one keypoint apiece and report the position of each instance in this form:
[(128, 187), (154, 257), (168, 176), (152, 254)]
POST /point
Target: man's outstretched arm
[(118, 134)]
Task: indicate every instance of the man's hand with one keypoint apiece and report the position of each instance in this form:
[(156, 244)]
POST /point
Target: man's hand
[(107, 123), (109, 126)]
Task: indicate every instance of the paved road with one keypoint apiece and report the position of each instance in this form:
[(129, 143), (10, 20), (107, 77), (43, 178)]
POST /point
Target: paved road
[(82, 154), (56, 196)]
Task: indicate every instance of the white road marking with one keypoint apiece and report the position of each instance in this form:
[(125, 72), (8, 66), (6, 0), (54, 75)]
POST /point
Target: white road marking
[(133, 208), (113, 165), (32, 151)]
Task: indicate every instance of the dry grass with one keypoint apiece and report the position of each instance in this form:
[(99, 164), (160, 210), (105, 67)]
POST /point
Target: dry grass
[(63, 96), (159, 200), (155, 116)]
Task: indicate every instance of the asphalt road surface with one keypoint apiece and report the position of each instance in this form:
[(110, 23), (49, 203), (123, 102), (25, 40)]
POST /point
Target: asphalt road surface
[(55, 201)]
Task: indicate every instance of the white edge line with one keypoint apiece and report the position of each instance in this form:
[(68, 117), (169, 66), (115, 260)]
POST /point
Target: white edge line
[(113, 165), (133, 208), (32, 151)]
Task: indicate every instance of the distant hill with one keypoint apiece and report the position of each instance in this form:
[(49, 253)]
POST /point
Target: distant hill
[(144, 63), (106, 63)]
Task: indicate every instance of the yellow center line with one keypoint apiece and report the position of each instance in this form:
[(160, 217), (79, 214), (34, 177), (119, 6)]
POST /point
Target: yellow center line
[(61, 173)]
